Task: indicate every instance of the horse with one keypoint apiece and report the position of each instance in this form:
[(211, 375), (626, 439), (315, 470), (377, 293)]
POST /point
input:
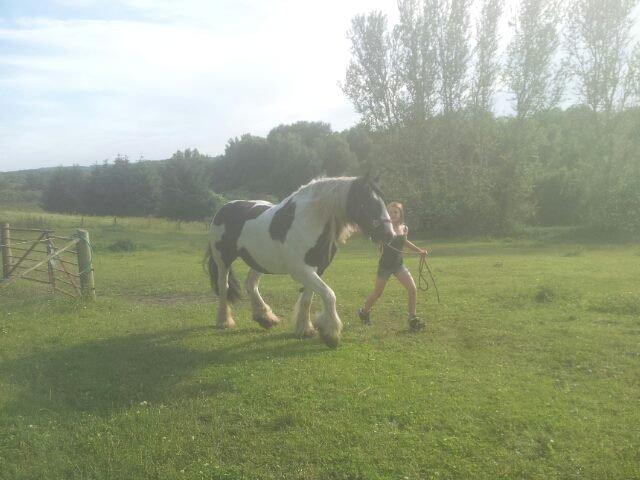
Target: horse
[(299, 237)]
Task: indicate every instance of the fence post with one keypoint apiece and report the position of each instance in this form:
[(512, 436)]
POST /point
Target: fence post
[(85, 266), (5, 242), (50, 249)]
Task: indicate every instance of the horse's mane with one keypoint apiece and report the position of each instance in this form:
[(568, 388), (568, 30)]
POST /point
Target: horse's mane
[(329, 196)]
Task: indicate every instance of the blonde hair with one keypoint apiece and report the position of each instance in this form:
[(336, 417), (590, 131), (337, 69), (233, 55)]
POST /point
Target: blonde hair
[(399, 207)]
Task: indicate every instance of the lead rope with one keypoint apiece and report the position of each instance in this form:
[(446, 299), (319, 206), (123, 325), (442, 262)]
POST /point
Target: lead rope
[(421, 276)]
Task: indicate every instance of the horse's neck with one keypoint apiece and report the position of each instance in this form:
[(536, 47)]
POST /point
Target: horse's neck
[(314, 214), (315, 208)]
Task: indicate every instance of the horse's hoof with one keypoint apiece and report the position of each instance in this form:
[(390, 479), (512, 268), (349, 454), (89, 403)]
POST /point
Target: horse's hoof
[(308, 333), (227, 324), (266, 321), (330, 341)]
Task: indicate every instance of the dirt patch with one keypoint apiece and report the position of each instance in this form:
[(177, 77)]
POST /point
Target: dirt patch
[(171, 298)]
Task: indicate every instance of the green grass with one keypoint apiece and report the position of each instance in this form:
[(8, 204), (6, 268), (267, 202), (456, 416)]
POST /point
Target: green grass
[(529, 368)]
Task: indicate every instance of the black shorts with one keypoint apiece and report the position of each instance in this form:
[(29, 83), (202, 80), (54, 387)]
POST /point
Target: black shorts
[(386, 272)]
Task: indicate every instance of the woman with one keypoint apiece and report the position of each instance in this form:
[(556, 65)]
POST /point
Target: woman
[(391, 264)]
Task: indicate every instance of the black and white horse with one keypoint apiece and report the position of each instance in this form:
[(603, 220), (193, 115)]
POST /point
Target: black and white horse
[(299, 237)]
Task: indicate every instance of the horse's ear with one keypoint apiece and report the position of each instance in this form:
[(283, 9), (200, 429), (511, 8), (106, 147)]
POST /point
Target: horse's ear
[(370, 179)]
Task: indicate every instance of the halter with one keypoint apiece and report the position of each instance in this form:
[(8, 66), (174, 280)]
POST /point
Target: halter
[(377, 222)]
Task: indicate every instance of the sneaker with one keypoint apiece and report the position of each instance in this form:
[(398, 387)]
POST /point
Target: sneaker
[(364, 317), (416, 324)]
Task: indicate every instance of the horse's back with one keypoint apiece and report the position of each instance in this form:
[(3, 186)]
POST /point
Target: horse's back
[(239, 211)]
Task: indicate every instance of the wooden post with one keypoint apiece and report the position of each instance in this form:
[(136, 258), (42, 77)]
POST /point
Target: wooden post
[(85, 266), (5, 242), (50, 250)]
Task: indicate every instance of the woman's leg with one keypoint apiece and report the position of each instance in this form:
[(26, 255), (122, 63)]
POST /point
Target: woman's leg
[(405, 278), (375, 295)]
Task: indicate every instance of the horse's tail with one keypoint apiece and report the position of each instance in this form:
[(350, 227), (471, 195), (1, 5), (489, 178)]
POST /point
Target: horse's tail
[(233, 292)]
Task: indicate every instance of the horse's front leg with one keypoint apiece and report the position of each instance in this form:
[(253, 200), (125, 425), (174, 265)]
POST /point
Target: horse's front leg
[(302, 314), (262, 313), (328, 322)]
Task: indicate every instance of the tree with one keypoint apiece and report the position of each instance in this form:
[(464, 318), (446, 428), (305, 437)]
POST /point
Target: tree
[(535, 80), (371, 82), (63, 193), (185, 193), (336, 155), (452, 40), (246, 163), (360, 142), (487, 66), (309, 132), (603, 63), (416, 65), (295, 163), (121, 188), (143, 190)]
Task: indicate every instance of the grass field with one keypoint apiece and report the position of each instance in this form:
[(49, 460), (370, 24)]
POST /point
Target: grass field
[(529, 368)]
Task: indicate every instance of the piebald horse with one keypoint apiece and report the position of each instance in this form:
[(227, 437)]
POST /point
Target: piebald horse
[(297, 236)]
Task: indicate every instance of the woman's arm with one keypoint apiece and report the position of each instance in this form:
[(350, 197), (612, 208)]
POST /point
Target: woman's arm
[(415, 249), (411, 246)]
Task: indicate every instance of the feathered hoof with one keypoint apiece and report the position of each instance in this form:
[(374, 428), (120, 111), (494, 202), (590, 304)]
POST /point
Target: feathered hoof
[(266, 320), (330, 341), (306, 333), (228, 324)]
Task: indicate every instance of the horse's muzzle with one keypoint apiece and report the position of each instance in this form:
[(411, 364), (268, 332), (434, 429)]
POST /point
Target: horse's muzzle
[(384, 236)]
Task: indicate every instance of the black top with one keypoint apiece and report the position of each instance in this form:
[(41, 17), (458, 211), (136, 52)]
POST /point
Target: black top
[(391, 258)]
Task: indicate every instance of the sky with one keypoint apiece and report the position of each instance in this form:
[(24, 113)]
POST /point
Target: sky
[(82, 81)]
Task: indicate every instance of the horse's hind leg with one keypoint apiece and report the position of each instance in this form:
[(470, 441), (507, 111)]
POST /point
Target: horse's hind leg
[(261, 311), (302, 314), (225, 320)]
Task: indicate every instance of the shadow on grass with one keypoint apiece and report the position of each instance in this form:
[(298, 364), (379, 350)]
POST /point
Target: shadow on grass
[(105, 376)]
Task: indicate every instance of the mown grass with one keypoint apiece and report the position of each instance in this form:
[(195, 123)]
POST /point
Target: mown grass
[(529, 368)]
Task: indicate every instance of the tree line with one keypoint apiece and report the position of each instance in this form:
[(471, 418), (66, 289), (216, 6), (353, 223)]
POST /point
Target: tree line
[(479, 180), (177, 188), (190, 185)]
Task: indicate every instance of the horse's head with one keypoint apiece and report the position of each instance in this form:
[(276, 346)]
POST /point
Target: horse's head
[(366, 208)]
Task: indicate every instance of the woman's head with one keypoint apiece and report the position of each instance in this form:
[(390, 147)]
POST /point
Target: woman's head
[(396, 212)]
